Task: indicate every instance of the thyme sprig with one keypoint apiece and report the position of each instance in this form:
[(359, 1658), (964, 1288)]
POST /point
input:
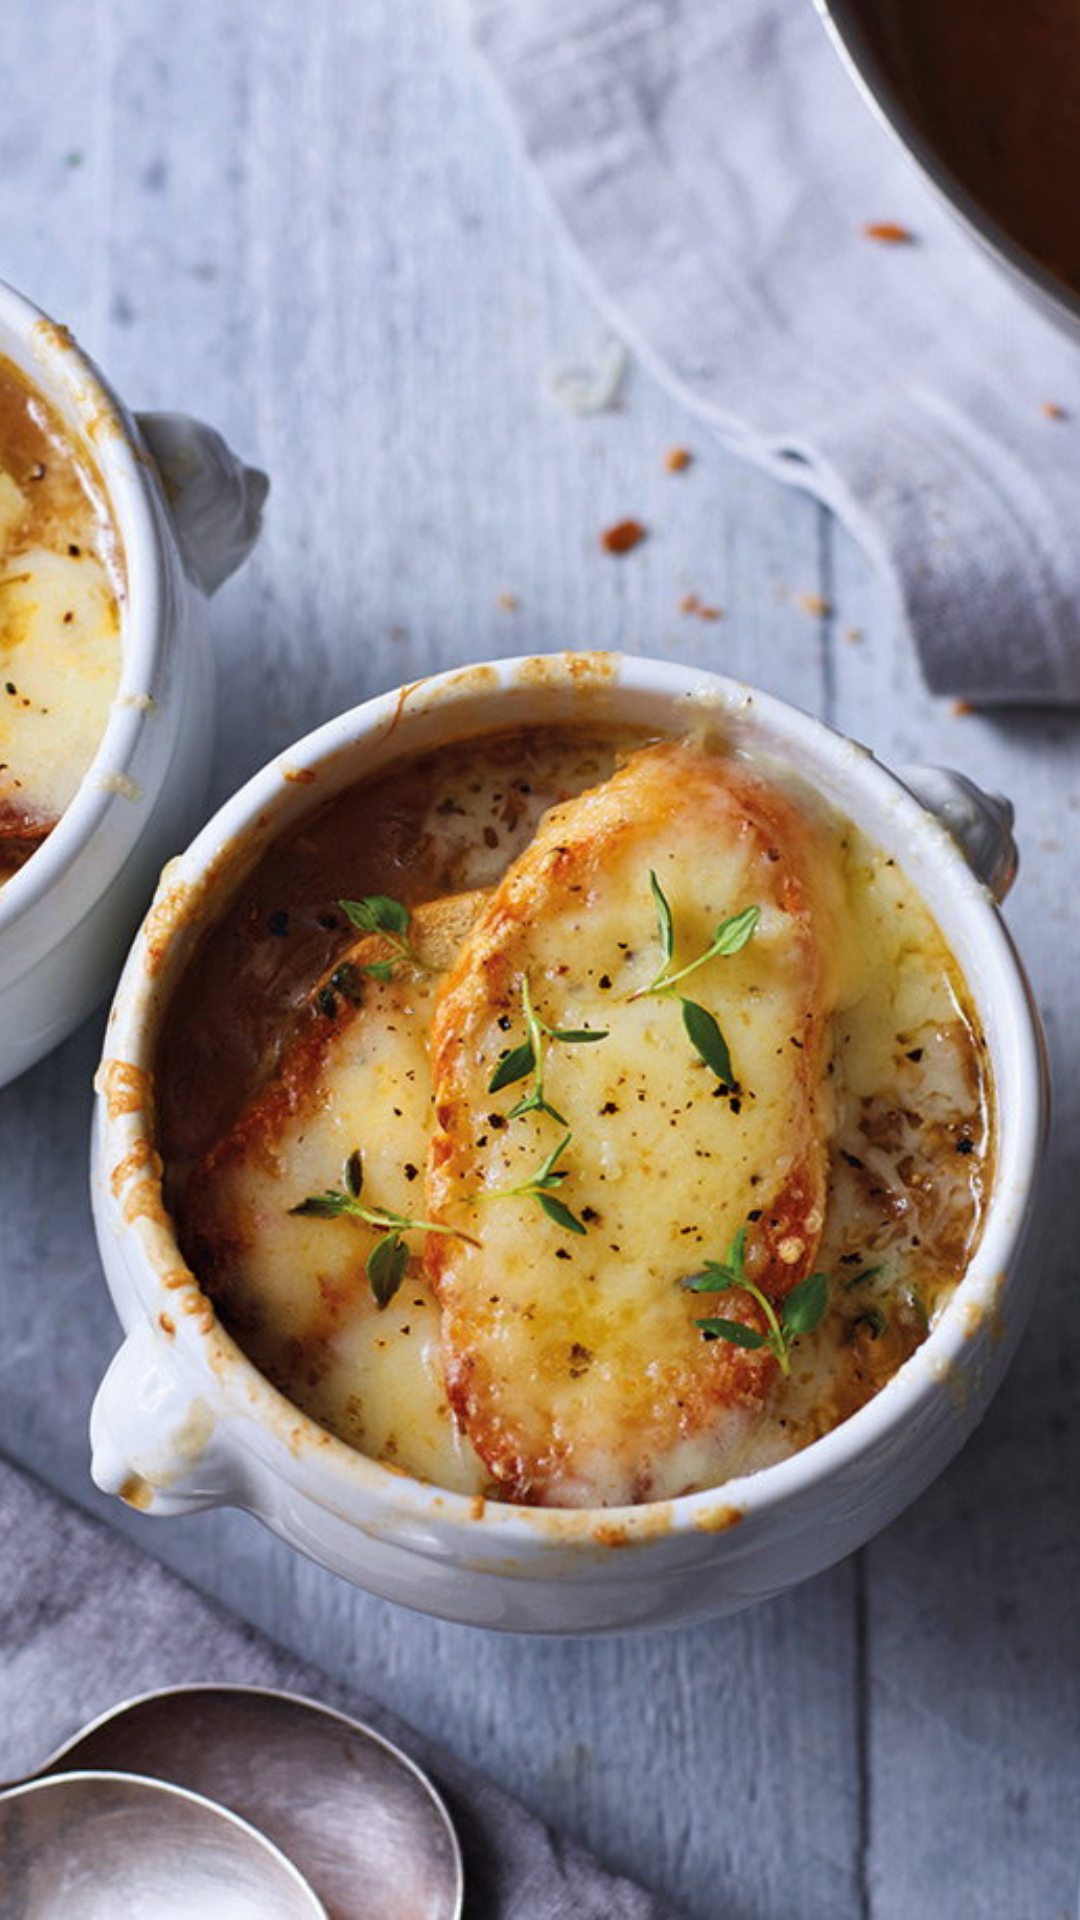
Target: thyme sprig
[(389, 1257), (702, 1028), (538, 1186), (730, 937), (529, 1058), (801, 1312), (378, 913)]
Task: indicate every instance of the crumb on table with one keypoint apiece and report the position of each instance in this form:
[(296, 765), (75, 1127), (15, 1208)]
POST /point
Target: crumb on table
[(890, 232), (692, 603), (677, 459), (623, 536)]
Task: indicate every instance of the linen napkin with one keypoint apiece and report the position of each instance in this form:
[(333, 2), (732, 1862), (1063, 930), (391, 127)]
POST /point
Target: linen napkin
[(716, 170), (87, 1620)]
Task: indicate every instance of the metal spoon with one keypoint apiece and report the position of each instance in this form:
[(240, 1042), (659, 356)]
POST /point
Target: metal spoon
[(91, 1846), (362, 1822)]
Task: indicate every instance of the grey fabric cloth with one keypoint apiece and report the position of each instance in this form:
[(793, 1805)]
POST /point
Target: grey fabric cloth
[(716, 168), (86, 1621)]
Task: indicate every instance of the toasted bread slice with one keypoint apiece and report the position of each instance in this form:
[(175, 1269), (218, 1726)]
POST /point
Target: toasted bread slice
[(573, 1361), (294, 1288), (20, 836)]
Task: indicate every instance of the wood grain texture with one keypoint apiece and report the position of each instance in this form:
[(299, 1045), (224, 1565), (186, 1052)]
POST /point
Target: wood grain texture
[(310, 227)]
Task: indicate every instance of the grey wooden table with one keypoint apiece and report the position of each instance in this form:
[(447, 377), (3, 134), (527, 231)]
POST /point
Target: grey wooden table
[(306, 224)]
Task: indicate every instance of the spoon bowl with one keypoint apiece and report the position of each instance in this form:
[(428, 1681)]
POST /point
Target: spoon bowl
[(361, 1820), (92, 1845)]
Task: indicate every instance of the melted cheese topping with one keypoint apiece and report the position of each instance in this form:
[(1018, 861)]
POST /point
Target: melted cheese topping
[(567, 1368), (59, 620), (573, 1358), (294, 1287)]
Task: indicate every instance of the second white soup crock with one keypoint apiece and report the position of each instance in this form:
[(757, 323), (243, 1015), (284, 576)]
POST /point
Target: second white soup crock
[(186, 513)]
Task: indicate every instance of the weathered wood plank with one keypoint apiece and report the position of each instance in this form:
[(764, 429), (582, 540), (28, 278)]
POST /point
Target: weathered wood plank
[(316, 235), (972, 1632)]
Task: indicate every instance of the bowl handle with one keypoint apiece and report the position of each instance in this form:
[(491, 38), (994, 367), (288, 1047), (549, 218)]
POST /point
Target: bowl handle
[(155, 1443), (980, 823), (215, 501)]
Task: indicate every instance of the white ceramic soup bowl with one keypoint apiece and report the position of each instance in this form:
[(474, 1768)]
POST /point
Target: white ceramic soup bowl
[(186, 513), (183, 1420)]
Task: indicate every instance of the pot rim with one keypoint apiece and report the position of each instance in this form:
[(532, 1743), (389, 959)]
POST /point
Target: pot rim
[(46, 354), (845, 23), (271, 1427)]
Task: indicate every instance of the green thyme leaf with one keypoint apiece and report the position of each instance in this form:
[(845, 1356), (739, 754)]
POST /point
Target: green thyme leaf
[(549, 1175), (714, 1278), (529, 1058), (376, 913), (538, 1187), (736, 1253), (381, 970), (664, 920), (323, 1206), (513, 1066), (561, 1214), (730, 937), (386, 1265), (389, 1257), (534, 1102), (804, 1308), (708, 1041), (732, 1330), (800, 1313), (732, 934)]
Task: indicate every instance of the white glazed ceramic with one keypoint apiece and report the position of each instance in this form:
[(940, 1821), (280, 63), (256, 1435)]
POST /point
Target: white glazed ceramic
[(187, 513), (184, 1421), (860, 29)]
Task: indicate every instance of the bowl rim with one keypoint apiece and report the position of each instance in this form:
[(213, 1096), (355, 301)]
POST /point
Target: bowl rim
[(846, 27), (72, 384), (292, 1445)]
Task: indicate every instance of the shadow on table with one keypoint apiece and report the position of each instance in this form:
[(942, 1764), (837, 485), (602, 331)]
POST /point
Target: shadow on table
[(973, 1626)]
